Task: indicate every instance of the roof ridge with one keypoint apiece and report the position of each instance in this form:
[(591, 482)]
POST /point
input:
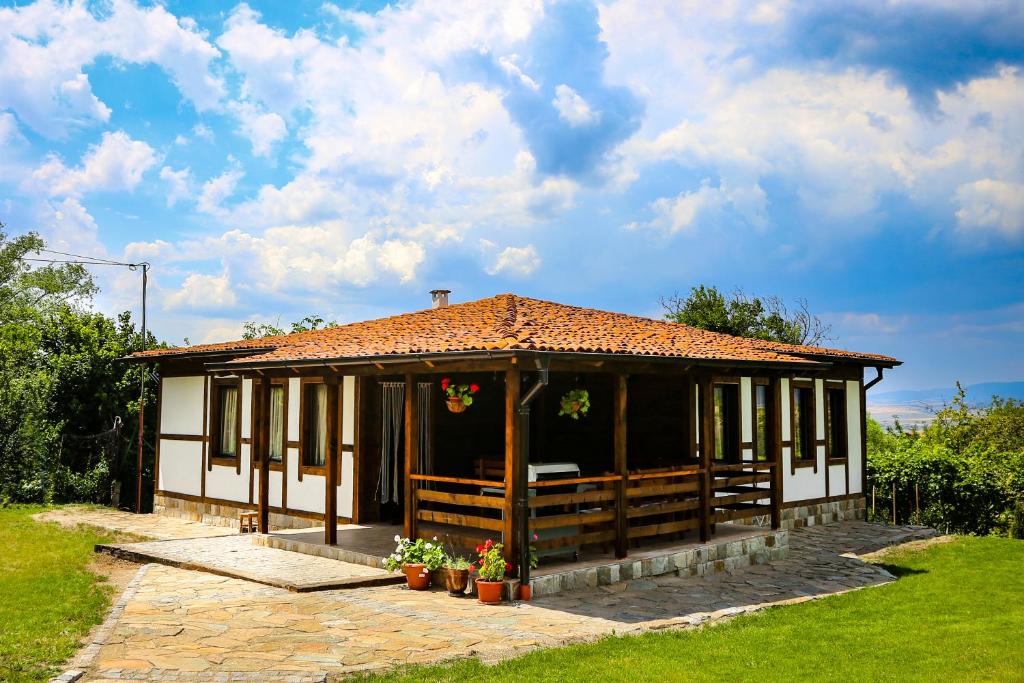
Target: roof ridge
[(506, 327)]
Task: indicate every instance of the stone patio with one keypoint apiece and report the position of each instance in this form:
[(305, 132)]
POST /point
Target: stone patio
[(196, 626), (238, 557), (148, 526)]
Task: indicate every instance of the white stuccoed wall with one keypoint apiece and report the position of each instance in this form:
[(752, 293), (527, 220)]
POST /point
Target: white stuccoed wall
[(181, 412)]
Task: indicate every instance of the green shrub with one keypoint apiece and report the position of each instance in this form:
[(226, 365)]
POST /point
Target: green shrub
[(964, 473), (1016, 524)]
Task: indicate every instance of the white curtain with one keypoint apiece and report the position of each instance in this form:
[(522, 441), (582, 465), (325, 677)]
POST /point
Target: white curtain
[(228, 421), (276, 423), (393, 408), (321, 424)]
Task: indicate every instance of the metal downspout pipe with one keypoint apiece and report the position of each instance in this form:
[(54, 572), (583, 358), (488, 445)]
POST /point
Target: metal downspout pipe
[(523, 493)]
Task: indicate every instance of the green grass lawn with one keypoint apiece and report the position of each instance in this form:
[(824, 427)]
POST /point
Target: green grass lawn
[(956, 613), (48, 597)]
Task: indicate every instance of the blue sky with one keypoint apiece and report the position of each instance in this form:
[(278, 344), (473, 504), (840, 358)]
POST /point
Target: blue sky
[(280, 159)]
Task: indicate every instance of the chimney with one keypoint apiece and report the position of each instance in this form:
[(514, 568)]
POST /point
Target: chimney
[(439, 297)]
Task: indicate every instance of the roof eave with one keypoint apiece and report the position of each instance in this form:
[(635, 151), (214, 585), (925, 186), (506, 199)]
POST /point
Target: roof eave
[(185, 354)]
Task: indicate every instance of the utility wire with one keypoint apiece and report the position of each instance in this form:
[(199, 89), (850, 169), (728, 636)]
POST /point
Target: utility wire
[(86, 263), (91, 258)]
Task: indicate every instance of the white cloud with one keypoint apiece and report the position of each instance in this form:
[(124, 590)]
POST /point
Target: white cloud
[(519, 261), (992, 204), (572, 108), (178, 182), (841, 142), (217, 190), (202, 292), (263, 129), (686, 210), (117, 163), (401, 258), (45, 48), (203, 132)]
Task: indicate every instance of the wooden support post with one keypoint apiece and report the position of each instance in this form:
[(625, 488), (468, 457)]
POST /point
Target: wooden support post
[(775, 391), (333, 440), (412, 446), (707, 446), (513, 481), (621, 468), (261, 444)]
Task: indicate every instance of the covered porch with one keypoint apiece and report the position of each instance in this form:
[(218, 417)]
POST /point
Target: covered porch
[(636, 473)]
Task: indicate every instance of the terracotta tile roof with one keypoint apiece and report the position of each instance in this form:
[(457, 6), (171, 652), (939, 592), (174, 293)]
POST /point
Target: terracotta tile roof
[(510, 322)]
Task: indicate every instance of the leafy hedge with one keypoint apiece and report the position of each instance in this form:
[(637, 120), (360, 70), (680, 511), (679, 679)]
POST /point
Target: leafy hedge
[(964, 473)]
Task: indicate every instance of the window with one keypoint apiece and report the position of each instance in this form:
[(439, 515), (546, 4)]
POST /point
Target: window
[(314, 430), (276, 438), (727, 422), (803, 424), (224, 439), (835, 422), (763, 443), (276, 423)]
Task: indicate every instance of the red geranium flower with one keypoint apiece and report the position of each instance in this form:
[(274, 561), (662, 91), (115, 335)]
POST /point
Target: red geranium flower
[(473, 388), (472, 567), (508, 566), (444, 384)]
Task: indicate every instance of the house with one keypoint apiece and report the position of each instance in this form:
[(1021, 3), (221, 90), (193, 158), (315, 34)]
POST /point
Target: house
[(686, 429)]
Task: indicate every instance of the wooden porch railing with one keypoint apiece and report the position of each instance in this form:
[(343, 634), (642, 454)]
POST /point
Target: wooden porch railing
[(573, 512), (736, 493)]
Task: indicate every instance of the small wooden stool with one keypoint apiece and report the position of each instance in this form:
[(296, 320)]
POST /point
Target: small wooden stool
[(247, 523)]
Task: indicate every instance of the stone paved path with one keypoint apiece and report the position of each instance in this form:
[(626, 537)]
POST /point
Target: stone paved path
[(193, 626), (236, 556), (150, 526)]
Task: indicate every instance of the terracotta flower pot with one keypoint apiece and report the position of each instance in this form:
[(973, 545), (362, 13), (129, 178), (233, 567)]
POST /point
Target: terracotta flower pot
[(575, 406), (489, 592), (417, 576), (456, 405), (456, 580), (525, 592)]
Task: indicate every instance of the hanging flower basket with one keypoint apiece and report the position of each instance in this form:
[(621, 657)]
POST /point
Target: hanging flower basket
[(455, 405), (458, 397), (575, 403)]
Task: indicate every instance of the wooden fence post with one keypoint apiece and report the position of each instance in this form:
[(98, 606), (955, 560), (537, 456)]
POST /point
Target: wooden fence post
[(894, 502)]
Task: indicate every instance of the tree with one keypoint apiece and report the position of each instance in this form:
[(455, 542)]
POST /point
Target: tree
[(759, 318), (61, 381), (253, 330)]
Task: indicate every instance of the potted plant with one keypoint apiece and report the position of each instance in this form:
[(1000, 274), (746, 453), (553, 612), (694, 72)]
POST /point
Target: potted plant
[(417, 559), (458, 396), (575, 403), (456, 576), (490, 570)]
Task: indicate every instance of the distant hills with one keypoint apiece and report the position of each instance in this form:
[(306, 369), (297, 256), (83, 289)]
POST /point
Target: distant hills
[(976, 393), (912, 406)]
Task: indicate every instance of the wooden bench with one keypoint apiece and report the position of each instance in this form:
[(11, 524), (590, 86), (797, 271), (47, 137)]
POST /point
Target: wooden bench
[(247, 522)]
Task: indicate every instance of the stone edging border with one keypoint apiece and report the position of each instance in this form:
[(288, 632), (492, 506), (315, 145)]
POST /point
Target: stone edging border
[(84, 658)]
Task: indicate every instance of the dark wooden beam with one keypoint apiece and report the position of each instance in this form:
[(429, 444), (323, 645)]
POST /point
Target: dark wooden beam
[(619, 426), (707, 447), (512, 483), (261, 445), (357, 451), (412, 443), (775, 391), (333, 452)]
